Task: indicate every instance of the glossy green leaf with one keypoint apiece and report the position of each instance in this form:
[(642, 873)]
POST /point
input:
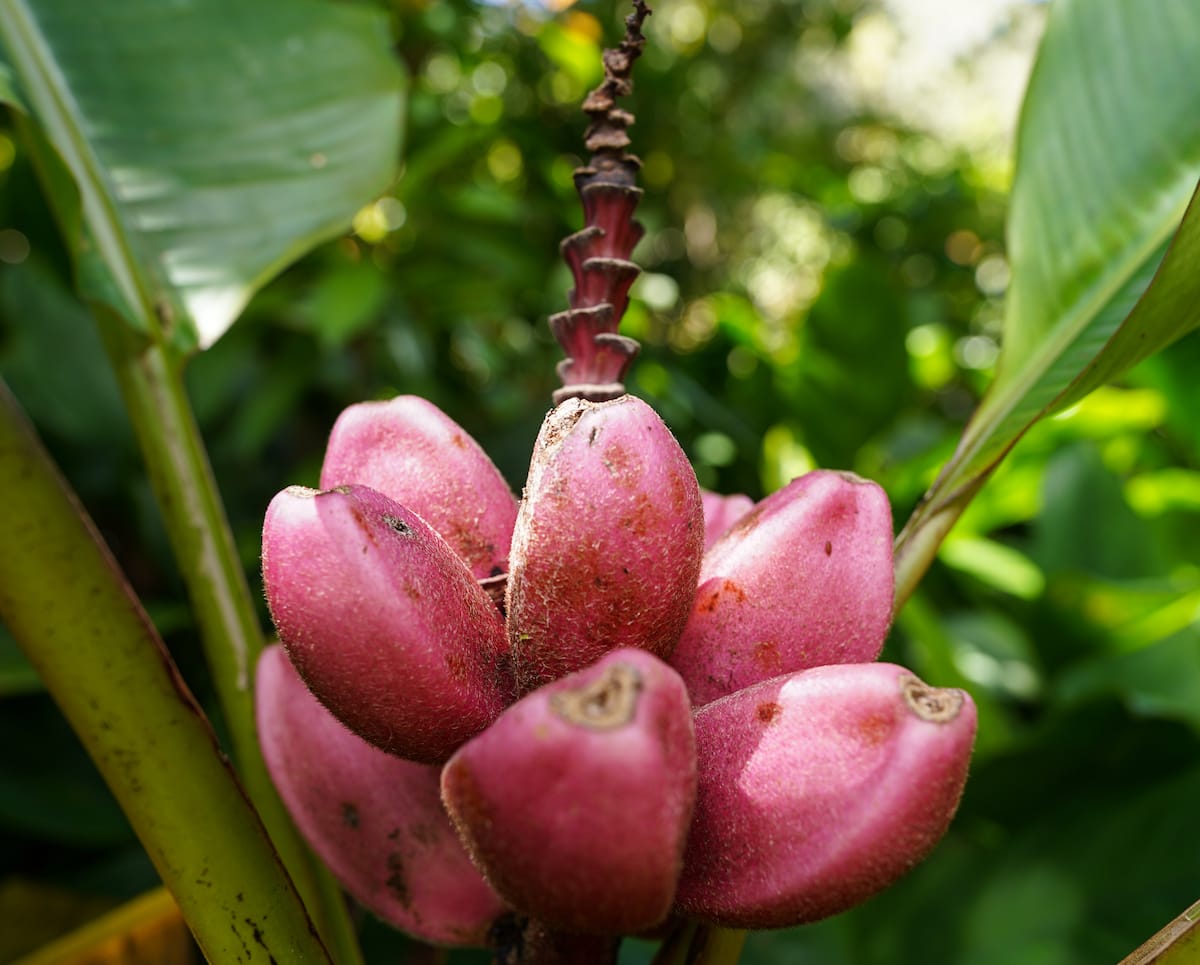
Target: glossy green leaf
[(211, 142), (1170, 308), (1107, 160)]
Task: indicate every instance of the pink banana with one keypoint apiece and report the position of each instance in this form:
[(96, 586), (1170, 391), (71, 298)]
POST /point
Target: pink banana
[(607, 543), (721, 512), (377, 821), (412, 452), (819, 789), (384, 622), (804, 579), (575, 803)]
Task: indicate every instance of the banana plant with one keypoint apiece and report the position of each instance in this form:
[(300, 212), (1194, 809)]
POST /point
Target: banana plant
[(584, 699)]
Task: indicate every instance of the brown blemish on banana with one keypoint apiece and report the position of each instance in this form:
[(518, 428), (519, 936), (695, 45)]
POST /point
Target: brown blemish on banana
[(396, 882), (714, 596), (766, 655), (938, 705), (396, 524), (876, 728), (769, 712), (560, 423), (605, 704)]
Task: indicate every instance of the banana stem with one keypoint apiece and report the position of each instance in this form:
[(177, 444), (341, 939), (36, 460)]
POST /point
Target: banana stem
[(151, 381), (67, 604), (695, 944)]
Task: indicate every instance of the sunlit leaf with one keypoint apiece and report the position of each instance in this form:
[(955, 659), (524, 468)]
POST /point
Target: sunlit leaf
[(1107, 161), (211, 142), (996, 565)]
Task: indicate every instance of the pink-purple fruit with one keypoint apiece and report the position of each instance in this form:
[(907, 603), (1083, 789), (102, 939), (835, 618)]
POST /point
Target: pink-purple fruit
[(412, 452), (721, 512), (802, 580), (377, 821), (575, 803), (819, 789), (383, 620), (607, 543)]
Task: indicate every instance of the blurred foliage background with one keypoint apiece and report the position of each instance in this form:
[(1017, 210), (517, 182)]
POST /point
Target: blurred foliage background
[(824, 273)]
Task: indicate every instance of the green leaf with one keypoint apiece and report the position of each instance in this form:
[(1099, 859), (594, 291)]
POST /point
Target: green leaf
[(8, 91), (55, 361), (211, 142), (1108, 150), (1167, 310), (1078, 490), (850, 381), (1159, 680)]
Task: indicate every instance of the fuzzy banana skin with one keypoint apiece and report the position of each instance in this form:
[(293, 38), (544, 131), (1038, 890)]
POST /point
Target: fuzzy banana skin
[(575, 803), (383, 620), (608, 540), (721, 512), (818, 790), (412, 452), (377, 821), (803, 580)]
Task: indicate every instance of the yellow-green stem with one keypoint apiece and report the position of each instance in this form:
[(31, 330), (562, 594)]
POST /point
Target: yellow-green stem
[(917, 545), (1176, 944), (150, 375), (695, 944), (151, 380), (67, 604)]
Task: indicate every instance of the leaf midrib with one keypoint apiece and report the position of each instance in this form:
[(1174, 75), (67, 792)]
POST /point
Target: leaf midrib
[(1069, 328), (55, 109)]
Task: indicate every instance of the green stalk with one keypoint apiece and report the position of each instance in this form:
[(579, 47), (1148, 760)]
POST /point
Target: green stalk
[(150, 374), (1177, 944), (917, 545), (696, 944), (674, 949), (65, 601), (716, 946), (152, 385), (151, 381)]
